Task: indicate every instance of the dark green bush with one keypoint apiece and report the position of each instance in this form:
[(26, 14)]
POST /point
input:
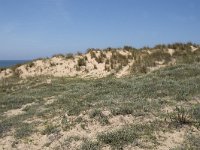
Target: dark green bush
[(90, 145), (81, 62), (69, 56), (58, 55)]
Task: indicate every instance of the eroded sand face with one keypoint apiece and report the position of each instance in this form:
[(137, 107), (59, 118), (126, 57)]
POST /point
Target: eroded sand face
[(97, 65)]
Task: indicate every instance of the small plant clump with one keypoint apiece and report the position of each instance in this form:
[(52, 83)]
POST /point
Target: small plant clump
[(2, 69), (92, 54), (97, 114), (50, 129), (30, 65), (90, 145), (181, 116), (191, 142), (126, 135), (59, 55), (81, 62), (95, 66), (24, 131), (69, 56)]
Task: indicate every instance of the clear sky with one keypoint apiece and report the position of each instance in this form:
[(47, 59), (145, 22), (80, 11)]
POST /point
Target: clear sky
[(40, 28)]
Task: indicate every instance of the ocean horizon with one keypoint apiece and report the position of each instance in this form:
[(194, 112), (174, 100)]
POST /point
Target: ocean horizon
[(10, 63)]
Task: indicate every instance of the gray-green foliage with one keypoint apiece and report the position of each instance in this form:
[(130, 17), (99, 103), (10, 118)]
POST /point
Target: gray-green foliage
[(49, 129), (127, 135), (191, 142), (24, 130), (181, 116), (90, 145), (97, 114), (138, 95)]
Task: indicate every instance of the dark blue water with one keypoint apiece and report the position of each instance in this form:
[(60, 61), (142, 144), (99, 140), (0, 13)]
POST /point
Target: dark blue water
[(9, 63)]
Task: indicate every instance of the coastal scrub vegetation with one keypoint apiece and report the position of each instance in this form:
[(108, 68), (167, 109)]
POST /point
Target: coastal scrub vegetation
[(143, 111), (102, 100)]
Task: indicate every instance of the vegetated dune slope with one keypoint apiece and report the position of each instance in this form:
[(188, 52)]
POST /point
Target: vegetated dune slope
[(101, 63), (152, 107)]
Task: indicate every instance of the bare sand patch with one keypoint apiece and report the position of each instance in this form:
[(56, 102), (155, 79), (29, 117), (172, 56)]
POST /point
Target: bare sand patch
[(15, 112)]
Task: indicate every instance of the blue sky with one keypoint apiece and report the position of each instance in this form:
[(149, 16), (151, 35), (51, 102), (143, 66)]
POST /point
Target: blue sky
[(40, 28)]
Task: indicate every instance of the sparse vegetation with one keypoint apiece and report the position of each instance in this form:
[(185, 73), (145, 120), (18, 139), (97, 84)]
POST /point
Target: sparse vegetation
[(49, 129), (97, 114), (2, 69), (24, 131), (81, 62), (123, 110), (191, 142), (118, 113), (127, 135), (129, 48), (90, 145), (92, 54), (30, 65), (69, 56), (58, 55), (79, 53), (181, 116), (95, 67)]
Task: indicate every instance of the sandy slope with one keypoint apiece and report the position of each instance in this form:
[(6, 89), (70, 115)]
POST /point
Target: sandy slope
[(96, 64)]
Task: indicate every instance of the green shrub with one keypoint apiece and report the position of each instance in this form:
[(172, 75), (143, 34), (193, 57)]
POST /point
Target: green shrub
[(90, 145), (79, 53), (99, 116), (123, 110), (65, 123), (160, 46), (94, 113), (126, 135), (30, 65), (107, 61), (58, 55), (190, 143), (92, 53), (196, 114), (107, 68), (129, 48), (81, 62), (181, 116), (138, 68), (100, 59), (69, 56), (50, 129), (95, 67), (2, 69), (52, 64), (24, 130)]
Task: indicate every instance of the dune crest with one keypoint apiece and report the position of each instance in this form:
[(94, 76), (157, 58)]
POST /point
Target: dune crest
[(101, 63)]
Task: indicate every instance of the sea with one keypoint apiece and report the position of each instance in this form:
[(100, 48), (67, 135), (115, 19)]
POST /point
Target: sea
[(10, 63)]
